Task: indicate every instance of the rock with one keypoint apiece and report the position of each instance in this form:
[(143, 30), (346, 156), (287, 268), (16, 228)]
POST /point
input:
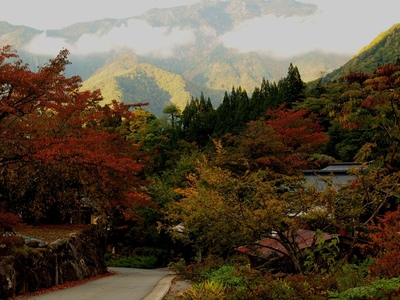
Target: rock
[(33, 243), (42, 266)]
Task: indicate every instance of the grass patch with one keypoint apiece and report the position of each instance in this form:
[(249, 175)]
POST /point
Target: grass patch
[(141, 262), (49, 233)]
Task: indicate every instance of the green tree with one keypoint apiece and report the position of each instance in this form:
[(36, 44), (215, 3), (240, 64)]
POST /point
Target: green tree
[(174, 113), (220, 211), (233, 113), (198, 121), (292, 88)]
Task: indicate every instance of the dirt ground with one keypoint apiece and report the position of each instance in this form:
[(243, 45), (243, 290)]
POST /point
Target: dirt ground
[(177, 285)]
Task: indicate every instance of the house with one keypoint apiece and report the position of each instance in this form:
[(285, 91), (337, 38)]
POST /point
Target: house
[(273, 250), (340, 174), (273, 247), (272, 253)]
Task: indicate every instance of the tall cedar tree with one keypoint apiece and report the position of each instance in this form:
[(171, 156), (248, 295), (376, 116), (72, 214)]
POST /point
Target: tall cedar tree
[(198, 121), (58, 148), (233, 113)]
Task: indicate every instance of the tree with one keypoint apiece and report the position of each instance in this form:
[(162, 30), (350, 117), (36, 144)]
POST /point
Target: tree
[(291, 87), (233, 113), (384, 245), (174, 112), (263, 98), (256, 147), (373, 105), (297, 129), (198, 121), (59, 150), (285, 143), (220, 211)]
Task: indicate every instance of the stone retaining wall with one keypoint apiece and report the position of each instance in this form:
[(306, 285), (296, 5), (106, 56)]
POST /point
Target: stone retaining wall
[(31, 269)]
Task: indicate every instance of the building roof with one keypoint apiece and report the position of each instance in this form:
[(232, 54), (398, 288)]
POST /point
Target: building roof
[(272, 247), (339, 174)]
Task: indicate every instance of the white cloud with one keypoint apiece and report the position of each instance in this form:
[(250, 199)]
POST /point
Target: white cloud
[(42, 44), (137, 35), (56, 14), (340, 26), (274, 35)]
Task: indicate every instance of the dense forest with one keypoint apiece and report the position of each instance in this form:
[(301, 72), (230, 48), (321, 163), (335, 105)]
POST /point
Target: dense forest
[(191, 187)]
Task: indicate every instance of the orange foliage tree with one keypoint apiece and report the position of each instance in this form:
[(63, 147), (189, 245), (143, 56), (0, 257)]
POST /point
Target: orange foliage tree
[(385, 245), (284, 143), (297, 130), (373, 105), (60, 150)]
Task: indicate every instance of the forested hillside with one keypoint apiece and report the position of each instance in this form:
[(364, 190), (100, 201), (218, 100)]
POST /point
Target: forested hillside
[(129, 81), (384, 49), (216, 192)]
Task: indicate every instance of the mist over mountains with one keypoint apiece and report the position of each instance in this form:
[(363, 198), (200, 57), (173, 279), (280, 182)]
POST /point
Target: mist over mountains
[(169, 55)]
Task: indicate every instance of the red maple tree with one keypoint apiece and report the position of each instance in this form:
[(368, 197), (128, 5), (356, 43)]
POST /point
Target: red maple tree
[(385, 244), (301, 135), (59, 148)]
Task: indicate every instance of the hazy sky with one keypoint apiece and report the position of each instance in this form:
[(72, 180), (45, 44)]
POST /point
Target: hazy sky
[(55, 14), (341, 26)]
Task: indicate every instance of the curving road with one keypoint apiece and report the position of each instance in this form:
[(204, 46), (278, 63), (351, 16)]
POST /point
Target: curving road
[(129, 284)]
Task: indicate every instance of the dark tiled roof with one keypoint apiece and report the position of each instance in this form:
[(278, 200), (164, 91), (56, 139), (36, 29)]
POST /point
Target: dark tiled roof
[(271, 247), (339, 174)]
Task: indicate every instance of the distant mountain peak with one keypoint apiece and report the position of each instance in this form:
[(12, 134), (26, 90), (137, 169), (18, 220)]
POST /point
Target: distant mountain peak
[(224, 14)]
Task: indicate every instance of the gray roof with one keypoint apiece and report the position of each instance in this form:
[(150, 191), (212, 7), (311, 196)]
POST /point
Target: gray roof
[(338, 174)]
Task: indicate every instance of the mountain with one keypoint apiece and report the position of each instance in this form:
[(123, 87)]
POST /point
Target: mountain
[(15, 35), (383, 49), (169, 55), (222, 16), (130, 81)]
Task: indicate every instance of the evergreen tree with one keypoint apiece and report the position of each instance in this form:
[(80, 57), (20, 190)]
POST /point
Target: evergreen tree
[(292, 88), (264, 98), (256, 104), (233, 113), (198, 120), (242, 111)]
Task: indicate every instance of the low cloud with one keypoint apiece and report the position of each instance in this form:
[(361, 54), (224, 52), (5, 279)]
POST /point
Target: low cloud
[(277, 36), (340, 26), (137, 35)]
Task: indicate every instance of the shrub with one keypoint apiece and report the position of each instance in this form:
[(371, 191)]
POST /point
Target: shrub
[(273, 289), (7, 221), (207, 290), (226, 275), (378, 289), (142, 262), (9, 244)]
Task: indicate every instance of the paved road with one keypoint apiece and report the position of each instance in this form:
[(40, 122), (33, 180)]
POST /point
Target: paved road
[(129, 284)]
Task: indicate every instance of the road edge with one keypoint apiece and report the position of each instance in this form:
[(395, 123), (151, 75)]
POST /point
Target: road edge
[(161, 289)]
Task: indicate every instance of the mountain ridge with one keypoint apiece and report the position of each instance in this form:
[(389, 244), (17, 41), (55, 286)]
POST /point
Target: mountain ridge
[(201, 64), (381, 50)]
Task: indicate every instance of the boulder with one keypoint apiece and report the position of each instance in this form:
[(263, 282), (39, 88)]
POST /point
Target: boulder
[(74, 258)]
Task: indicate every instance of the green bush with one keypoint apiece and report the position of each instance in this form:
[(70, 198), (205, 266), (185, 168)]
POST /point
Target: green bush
[(378, 289), (141, 262), (227, 275), (208, 290), (107, 256)]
